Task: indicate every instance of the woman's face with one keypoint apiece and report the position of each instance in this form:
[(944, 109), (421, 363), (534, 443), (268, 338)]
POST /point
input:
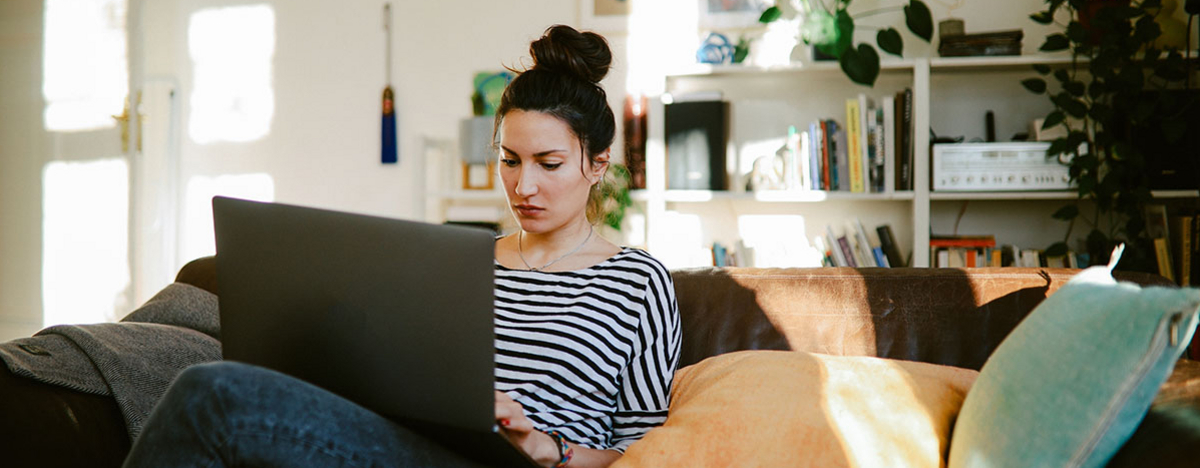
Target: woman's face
[(540, 160)]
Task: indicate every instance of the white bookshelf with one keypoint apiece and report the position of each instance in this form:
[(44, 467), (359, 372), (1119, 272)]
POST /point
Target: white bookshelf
[(950, 95)]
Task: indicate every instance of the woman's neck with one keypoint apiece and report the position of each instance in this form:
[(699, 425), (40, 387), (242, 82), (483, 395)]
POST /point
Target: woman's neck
[(553, 243)]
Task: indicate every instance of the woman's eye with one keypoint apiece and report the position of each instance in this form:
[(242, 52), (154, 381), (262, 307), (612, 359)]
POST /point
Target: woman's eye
[(508, 162), (551, 166)]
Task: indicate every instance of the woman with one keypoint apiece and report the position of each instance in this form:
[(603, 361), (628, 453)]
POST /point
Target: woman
[(587, 333)]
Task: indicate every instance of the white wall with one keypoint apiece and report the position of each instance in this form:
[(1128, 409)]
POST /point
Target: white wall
[(22, 152)]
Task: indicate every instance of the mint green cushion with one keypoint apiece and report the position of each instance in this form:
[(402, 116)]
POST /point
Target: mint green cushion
[(1072, 382)]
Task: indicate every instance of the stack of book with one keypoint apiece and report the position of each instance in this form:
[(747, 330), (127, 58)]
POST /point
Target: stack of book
[(857, 247), (1176, 241), (871, 153), (993, 43), (982, 251)]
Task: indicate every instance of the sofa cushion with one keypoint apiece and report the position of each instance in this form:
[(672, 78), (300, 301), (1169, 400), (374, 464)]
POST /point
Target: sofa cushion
[(791, 408), (1070, 384)]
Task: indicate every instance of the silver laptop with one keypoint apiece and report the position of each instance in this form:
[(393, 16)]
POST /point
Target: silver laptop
[(394, 315)]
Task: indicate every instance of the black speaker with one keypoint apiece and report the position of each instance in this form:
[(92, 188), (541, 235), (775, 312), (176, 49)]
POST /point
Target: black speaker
[(696, 136)]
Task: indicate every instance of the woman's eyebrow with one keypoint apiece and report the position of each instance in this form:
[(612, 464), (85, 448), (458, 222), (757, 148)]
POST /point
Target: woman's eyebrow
[(540, 154)]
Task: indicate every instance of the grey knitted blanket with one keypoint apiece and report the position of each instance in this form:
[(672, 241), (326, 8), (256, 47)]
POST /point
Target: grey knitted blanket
[(133, 360)]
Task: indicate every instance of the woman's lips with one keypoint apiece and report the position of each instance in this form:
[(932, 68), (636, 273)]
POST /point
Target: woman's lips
[(529, 210)]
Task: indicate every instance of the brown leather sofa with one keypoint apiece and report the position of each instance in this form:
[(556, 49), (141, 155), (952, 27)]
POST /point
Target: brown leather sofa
[(953, 317)]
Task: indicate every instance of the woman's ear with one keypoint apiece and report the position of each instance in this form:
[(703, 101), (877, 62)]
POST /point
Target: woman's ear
[(600, 165)]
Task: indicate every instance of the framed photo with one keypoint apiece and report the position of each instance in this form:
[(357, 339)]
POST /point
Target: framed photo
[(731, 14), (605, 15)]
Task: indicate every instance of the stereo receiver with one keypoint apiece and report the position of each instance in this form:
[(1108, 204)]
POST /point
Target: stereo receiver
[(996, 167)]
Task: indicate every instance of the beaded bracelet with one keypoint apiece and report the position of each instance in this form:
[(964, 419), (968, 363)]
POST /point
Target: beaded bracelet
[(564, 450)]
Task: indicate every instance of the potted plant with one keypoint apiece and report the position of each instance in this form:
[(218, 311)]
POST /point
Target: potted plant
[(830, 29), (1100, 99)]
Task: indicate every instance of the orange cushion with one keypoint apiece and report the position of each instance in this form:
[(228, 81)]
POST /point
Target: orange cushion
[(789, 408)]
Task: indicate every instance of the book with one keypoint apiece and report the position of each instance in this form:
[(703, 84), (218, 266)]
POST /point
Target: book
[(854, 138), (866, 250), (843, 160), (888, 106), (876, 150), (866, 115), (1156, 229), (1181, 247), (887, 241), (816, 150), (847, 251), (904, 140), (962, 241), (839, 257), (972, 255), (827, 175)]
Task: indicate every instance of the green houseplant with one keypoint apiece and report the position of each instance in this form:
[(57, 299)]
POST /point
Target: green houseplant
[(1098, 98), (829, 27)]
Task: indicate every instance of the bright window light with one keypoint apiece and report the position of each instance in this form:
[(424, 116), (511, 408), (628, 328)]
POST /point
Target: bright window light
[(198, 239), (778, 241), (85, 248), (231, 50), (84, 66)]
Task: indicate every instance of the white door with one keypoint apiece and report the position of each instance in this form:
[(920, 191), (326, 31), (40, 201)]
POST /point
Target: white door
[(93, 170)]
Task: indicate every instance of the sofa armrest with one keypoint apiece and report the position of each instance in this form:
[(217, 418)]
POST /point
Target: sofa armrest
[(201, 273)]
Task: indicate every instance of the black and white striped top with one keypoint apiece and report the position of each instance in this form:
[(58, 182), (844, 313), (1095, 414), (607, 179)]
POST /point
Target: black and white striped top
[(589, 352)]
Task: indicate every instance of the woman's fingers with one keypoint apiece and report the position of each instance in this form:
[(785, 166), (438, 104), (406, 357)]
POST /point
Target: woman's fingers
[(511, 415)]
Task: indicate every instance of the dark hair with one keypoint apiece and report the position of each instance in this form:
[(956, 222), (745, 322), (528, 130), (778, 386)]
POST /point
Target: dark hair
[(564, 82)]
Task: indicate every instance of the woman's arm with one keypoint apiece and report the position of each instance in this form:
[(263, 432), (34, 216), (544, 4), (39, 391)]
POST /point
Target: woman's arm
[(540, 446)]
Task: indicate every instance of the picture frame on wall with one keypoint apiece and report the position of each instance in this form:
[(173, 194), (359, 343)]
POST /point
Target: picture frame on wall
[(605, 16), (731, 14)]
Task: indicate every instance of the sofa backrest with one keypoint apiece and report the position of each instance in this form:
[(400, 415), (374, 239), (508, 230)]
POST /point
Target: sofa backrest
[(938, 315)]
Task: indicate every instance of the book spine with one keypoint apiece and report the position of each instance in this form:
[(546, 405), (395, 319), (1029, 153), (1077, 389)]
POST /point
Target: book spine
[(815, 155), (847, 252), (854, 141), (880, 259), (1163, 254), (843, 160), (889, 144), (866, 114), (887, 241), (826, 170), (838, 257), (906, 138), (878, 167)]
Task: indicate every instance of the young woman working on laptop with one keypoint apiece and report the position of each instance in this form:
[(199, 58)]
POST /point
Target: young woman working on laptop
[(587, 333)]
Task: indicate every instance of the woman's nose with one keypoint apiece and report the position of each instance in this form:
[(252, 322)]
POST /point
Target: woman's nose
[(526, 183)]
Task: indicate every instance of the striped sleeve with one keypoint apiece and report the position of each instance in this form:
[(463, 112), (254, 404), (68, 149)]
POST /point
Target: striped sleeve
[(646, 381)]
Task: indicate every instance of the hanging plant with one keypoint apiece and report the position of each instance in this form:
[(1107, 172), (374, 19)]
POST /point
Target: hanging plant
[(1099, 100), (830, 29)]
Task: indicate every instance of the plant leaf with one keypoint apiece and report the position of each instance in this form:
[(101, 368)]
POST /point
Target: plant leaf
[(1076, 88), (1053, 119), (1042, 17), (1056, 249), (1192, 7), (770, 14), (1035, 85), (1041, 68), (918, 19), (1070, 105), (1057, 147), (889, 40), (1146, 29), (1066, 213), (861, 64), (1062, 75), (1151, 4), (1055, 42), (1076, 32)]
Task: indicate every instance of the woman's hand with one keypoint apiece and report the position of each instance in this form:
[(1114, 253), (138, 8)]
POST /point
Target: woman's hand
[(510, 415)]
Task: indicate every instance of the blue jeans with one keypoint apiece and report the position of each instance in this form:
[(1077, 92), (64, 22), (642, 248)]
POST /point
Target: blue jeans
[(233, 414)]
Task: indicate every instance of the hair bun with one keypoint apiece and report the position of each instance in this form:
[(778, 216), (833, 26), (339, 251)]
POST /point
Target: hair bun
[(563, 49)]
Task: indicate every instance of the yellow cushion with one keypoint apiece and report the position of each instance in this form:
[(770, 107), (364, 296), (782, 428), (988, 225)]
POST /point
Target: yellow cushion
[(788, 408)]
